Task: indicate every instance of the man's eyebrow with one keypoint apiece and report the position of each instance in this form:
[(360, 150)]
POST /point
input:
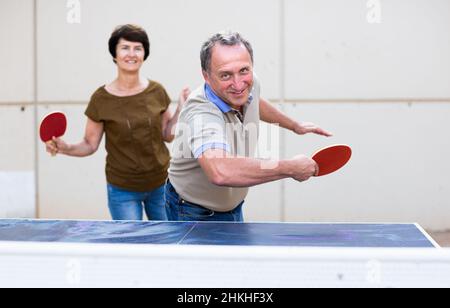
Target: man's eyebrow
[(230, 72)]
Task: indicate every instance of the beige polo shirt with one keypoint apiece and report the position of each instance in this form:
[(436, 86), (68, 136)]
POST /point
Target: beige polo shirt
[(206, 122)]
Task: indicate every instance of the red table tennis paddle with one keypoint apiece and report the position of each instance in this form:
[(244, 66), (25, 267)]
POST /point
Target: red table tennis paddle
[(53, 125), (332, 158)]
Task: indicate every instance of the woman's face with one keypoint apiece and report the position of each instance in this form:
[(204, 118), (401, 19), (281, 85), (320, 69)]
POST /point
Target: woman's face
[(129, 55)]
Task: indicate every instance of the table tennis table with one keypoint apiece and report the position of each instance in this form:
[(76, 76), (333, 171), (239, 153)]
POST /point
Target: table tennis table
[(217, 254)]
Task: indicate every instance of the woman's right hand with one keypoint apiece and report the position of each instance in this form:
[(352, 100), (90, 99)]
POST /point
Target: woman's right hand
[(56, 145)]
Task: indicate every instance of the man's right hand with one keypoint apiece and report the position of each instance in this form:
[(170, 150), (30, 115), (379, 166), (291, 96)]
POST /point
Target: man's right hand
[(303, 168)]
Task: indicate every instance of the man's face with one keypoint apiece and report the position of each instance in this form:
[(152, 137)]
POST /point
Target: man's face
[(231, 74)]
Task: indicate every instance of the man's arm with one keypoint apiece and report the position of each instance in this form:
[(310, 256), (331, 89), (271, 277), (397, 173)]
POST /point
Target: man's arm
[(224, 170), (272, 115)]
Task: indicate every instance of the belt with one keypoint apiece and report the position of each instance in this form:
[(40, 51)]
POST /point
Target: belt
[(172, 189)]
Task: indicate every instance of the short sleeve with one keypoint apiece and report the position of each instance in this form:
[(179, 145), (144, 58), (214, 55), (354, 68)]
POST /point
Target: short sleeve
[(163, 97), (166, 100), (92, 110), (207, 129)]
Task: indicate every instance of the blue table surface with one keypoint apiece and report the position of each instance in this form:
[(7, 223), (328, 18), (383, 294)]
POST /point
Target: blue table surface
[(213, 233)]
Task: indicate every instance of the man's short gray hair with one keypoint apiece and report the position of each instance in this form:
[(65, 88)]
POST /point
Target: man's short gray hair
[(225, 39)]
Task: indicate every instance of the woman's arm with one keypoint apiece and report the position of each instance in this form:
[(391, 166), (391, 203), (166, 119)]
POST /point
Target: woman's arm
[(169, 121), (91, 141)]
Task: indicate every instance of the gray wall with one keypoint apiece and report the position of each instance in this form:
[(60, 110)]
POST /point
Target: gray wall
[(382, 86)]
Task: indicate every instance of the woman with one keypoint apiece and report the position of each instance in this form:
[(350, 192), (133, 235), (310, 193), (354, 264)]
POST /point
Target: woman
[(133, 113)]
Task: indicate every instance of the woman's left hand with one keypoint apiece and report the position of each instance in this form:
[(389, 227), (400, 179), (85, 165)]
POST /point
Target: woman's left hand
[(183, 97)]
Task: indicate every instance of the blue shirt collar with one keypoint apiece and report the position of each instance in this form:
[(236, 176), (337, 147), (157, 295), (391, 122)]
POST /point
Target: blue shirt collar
[(216, 100), (213, 98)]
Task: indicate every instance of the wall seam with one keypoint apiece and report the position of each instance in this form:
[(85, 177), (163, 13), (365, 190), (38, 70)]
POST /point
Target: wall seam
[(282, 86), (35, 104)]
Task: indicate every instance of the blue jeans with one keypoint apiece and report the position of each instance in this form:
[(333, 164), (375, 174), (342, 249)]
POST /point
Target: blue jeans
[(129, 205), (178, 209)]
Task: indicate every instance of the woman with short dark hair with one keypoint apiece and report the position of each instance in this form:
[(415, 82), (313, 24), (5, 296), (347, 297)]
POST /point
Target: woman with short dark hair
[(134, 115)]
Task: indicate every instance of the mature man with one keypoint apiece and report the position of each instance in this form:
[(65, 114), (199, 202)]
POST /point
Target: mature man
[(213, 162)]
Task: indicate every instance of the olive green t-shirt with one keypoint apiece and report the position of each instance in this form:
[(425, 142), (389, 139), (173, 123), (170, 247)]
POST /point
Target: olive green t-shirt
[(137, 157)]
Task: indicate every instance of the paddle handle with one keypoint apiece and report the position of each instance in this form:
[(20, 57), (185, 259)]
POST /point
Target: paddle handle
[(53, 154)]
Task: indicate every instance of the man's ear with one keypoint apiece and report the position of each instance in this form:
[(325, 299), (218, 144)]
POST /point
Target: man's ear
[(206, 76)]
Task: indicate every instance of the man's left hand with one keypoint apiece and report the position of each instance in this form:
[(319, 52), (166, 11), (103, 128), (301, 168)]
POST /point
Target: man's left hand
[(307, 128)]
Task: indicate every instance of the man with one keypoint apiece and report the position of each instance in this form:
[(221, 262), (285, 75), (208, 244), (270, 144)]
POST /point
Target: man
[(213, 162)]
